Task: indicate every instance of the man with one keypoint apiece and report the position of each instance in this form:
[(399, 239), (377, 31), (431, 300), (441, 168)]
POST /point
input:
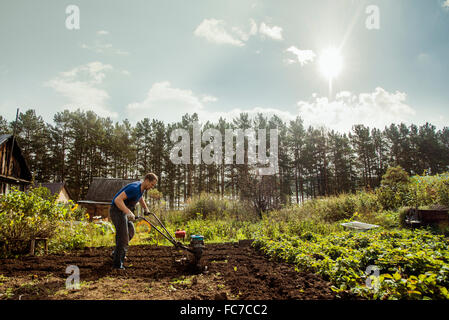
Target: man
[(121, 213)]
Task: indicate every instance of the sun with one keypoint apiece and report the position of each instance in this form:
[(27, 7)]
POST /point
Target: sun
[(331, 63)]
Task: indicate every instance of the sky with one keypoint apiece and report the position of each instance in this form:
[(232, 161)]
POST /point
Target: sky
[(161, 59)]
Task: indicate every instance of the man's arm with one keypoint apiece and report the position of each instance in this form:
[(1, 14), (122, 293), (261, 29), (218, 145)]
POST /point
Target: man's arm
[(119, 202), (143, 205)]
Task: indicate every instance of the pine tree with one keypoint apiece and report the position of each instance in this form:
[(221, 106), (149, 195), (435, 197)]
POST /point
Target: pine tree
[(4, 127), (364, 147), (295, 142)]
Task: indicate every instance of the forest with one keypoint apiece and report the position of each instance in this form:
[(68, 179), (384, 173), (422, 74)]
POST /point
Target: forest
[(313, 161)]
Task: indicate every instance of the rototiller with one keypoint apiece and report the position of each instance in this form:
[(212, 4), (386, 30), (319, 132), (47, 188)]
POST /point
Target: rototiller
[(195, 247)]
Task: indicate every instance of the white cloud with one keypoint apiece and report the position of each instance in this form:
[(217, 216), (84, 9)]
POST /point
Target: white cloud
[(97, 47), (445, 4), (215, 31), (302, 56), (80, 86), (165, 103), (94, 71), (376, 109), (207, 99), (252, 113), (121, 52), (274, 32), (253, 27), (102, 47), (424, 57), (169, 104)]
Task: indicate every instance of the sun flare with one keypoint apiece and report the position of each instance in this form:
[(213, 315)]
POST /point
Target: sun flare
[(331, 63)]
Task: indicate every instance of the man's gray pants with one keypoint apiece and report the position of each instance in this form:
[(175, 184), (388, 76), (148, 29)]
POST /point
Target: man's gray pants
[(124, 232)]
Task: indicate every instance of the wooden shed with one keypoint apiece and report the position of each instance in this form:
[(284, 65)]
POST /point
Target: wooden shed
[(57, 188), (99, 196), (437, 217), (14, 170)]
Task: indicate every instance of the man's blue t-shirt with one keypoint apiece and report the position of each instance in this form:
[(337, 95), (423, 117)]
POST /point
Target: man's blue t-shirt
[(133, 194)]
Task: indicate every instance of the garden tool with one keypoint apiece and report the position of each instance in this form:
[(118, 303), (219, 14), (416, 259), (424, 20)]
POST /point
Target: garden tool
[(196, 241)]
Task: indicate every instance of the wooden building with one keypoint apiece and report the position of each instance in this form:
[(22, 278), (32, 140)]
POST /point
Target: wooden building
[(99, 196), (14, 170), (57, 188)]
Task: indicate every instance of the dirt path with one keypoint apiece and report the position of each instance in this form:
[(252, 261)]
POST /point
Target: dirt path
[(228, 271)]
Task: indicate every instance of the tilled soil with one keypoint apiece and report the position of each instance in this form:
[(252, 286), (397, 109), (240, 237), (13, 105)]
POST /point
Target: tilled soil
[(227, 271)]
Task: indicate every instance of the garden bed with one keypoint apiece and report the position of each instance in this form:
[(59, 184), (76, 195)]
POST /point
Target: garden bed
[(228, 271)]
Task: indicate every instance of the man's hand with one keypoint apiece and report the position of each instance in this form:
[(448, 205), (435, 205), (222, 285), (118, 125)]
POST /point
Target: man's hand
[(130, 216), (144, 206)]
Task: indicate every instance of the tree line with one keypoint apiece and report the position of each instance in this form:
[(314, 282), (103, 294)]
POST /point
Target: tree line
[(313, 162)]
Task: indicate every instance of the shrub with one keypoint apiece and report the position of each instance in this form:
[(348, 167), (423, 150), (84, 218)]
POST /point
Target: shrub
[(206, 205), (402, 216), (25, 216), (331, 209), (69, 236), (77, 213), (429, 190), (386, 218), (393, 192), (212, 206), (443, 191)]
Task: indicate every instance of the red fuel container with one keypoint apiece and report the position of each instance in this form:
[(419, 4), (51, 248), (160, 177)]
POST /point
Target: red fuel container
[(180, 234)]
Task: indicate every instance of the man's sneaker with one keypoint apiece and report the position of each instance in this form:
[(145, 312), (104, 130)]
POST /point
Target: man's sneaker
[(120, 267)]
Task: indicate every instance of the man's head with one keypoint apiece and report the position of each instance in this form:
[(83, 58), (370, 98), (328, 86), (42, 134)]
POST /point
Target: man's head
[(150, 181)]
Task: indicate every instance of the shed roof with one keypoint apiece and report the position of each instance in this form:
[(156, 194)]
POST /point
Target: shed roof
[(54, 187), (104, 189), (25, 173), (4, 138)]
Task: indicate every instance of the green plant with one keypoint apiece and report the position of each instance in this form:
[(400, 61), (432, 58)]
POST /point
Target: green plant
[(9, 293), (36, 214), (413, 264), (183, 281)]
